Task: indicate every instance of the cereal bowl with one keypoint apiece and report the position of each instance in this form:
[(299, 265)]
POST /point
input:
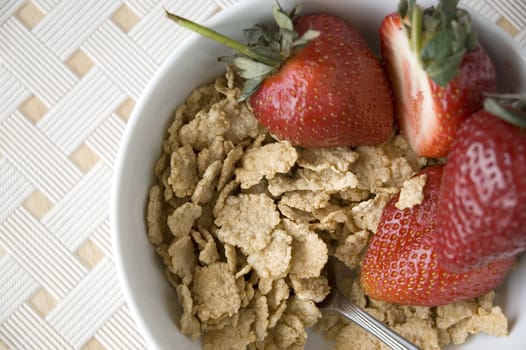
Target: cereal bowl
[(151, 299)]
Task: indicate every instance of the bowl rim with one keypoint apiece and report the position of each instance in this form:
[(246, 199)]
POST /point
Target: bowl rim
[(117, 237), (115, 226)]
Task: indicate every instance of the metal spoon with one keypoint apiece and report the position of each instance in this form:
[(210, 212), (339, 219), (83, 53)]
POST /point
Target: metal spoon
[(337, 302)]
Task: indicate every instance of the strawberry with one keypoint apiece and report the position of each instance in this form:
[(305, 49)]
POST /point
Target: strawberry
[(438, 71), (331, 93), (482, 206), (401, 264), (314, 82)]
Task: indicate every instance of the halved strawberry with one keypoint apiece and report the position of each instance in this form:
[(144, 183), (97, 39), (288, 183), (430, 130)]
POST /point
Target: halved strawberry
[(402, 266), (438, 71), (482, 205)]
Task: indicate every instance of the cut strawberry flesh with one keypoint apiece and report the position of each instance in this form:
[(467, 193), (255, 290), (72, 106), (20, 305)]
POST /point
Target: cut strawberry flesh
[(415, 107)]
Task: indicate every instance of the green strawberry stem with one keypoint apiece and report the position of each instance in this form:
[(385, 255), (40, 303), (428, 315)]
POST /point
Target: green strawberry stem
[(416, 30), (512, 114), (440, 36), (222, 39)]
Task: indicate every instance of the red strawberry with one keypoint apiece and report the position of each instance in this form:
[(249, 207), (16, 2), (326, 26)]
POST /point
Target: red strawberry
[(315, 83), (401, 264), (333, 92), (482, 206), (438, 71)]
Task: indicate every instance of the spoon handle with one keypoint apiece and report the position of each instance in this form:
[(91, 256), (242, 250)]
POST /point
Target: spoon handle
[(354, 313)]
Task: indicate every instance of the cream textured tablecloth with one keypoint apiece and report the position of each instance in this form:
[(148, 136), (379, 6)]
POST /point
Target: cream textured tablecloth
[(70, 74)]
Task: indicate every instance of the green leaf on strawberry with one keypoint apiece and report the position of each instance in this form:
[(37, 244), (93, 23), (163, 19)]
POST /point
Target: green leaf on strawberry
[(440, 36)]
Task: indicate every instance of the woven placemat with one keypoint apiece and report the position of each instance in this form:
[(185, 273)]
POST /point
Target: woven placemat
[(70, 74)]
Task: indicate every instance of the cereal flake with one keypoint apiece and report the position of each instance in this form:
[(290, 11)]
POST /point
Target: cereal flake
[(412, 192), (215, 292), (273, 261), (183, 259), (183, 218), (265, 161), (183, 174), (247, 221)]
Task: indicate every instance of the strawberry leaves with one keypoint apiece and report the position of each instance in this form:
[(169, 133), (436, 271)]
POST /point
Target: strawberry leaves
[(440, 37), (508, 107)]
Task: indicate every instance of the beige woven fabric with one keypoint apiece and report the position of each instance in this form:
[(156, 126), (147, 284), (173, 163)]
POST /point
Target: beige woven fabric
[(70, 74)]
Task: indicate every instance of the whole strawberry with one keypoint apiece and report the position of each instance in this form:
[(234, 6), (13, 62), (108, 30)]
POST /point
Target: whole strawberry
[(438, 71), (314, 82), (332, 92), (482, 206), (401, 264)]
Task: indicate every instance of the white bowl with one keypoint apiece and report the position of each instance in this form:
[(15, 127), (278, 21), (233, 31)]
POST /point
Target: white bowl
[(150, 298)]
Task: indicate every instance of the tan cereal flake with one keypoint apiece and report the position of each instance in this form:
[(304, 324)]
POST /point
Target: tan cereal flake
[(420, 332), (309, 255), (189, 323), (265, 161), (207, 156), (226, 85), (448, 315), (352, 337), (246, 290), (276, 314), (200, 99), (205, 188), (229, 166), (204, 128), (314, 288), (235, 337), (209, 255), (366, 215), (412, 192), (231, 257), (306, 310), (262, 314), (265, 285), (183, 218), (183, 258), (327, 180), (172, 141), (273, 261), (215, 292), (247, 221), (223, 195), (354, 194), (317, 159), (289, 331), (280, 292), (306, 200), (183, 175), (493, 323), (243, 124), (352, 249), (296, 215)]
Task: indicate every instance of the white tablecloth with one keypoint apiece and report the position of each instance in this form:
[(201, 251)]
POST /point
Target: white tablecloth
[(70, 74)]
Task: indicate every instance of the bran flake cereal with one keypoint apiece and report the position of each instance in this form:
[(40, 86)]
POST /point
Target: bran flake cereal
[(412, 192), (245, 225)]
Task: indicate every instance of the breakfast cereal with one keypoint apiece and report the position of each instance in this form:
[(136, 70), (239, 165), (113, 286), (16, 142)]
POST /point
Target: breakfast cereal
[(245, 225), (411, 192)]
